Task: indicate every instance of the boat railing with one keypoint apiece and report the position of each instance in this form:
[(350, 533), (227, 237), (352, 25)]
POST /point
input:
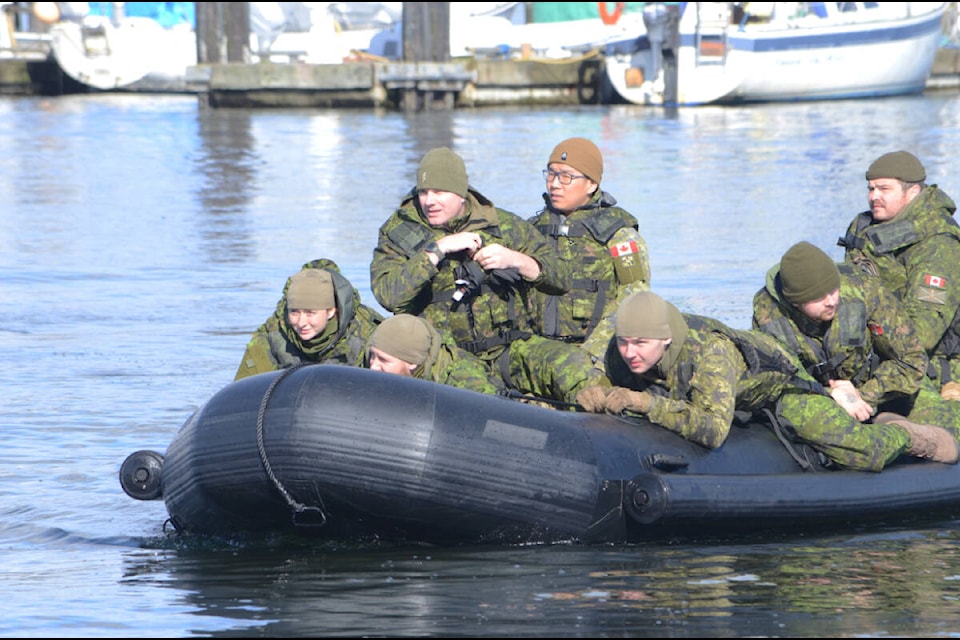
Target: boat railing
[(710, 33), (20, 45)]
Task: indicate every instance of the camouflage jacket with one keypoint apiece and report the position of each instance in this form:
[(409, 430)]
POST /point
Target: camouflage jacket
[(709, 374), (870, 341), (917, 256), (608, 261), (276, 345), (449, 364), (485, 311)]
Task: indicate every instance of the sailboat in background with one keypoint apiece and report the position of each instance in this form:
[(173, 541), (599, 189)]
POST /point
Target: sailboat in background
[(151, 46), (730, 52), (108, 46)]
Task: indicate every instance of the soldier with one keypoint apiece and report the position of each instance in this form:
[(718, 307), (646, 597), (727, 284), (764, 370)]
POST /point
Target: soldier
[(450, 255), (409, 345), (689, 374), (597, 238), (852, 336), (319, 319), (911, 240)]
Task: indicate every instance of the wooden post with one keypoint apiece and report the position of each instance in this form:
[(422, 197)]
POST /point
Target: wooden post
[(426, 38), (238, 31), (208, 32), (426, 31), (223, 32)]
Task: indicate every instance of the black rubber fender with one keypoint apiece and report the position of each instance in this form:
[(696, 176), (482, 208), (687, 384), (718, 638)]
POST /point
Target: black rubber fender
[(140, 475), (647, 498)]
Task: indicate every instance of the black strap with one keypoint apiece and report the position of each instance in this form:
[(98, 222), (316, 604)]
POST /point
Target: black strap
[(502, 338)]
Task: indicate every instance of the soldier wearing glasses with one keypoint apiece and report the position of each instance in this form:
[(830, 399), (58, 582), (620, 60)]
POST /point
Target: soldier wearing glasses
[(450, 255), (597, 239)]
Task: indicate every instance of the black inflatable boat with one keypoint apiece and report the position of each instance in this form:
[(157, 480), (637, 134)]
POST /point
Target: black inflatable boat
[(345, 453)]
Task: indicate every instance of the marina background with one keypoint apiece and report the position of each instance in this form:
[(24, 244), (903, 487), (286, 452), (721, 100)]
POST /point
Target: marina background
[(143, 239)]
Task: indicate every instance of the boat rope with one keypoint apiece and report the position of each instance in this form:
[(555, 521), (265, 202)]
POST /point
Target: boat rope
[(298, 508), (778, 427), (513, 394), (173, 521)]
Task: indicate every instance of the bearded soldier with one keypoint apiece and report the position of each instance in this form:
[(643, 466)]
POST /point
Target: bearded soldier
[(852, 335), (910, 239)]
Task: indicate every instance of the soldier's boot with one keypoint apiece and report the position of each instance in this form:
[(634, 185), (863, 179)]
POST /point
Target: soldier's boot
[(926, 441)]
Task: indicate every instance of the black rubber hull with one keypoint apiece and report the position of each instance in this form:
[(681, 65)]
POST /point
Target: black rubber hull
[(343, 453)]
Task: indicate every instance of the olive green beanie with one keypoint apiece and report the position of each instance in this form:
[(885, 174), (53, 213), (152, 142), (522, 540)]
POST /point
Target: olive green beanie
[(403, 336), (643, 315), (582, 155), (807, 273), (311, 289), (901, 165), (443, 170)]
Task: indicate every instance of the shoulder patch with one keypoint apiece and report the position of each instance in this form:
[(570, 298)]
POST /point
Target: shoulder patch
[(938, 282), (624, 249), (929, 294)]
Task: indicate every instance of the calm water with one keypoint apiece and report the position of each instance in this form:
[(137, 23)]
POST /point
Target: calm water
[(143, 239)]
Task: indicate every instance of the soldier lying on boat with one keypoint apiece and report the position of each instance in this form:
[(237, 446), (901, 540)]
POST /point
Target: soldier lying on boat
[(690, 374), (409, 345)]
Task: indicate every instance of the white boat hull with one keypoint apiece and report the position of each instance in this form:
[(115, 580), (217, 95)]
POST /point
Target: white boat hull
[(802, 59), (104, 56)]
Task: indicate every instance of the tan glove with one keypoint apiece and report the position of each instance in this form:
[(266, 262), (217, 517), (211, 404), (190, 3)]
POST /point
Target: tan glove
[(950, 391), (593, 399), (620, 399)]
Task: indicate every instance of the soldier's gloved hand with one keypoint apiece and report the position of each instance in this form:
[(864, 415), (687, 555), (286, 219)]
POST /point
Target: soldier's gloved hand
[(620, 399), (593, 399), (950, 391)]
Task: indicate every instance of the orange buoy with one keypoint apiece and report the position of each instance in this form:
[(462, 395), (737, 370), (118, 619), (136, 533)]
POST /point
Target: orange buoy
[(46, 12), (610, 18)]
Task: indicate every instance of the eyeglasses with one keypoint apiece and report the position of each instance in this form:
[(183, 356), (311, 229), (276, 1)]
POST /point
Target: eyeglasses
[(564, 178)]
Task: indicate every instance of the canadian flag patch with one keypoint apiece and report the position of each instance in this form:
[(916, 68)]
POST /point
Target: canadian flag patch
[(934, 281), (624, 249)]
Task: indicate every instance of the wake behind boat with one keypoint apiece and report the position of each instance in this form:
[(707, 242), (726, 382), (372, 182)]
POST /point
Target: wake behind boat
[(719, 52), (344, 454)]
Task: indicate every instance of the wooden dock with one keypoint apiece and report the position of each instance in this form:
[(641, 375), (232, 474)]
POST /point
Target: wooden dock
[(404, 86), (412, 86)]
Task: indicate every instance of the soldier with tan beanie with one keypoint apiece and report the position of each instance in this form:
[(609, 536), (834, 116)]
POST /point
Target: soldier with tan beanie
[(690, 374), (450, 255), (319, 319), (408, 345), (598, 239)]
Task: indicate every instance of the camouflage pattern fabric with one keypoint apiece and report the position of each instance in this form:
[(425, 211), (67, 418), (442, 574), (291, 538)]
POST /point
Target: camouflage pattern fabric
[(930, 408), (917, 256), (609, 260), (698, 394), (870, 341), (551, 369), (276, 345), (451, 365), (492, 309)]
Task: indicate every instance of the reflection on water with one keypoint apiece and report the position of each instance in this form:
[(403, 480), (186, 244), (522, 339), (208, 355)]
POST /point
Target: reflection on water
[(882, 584), (142, 240)]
